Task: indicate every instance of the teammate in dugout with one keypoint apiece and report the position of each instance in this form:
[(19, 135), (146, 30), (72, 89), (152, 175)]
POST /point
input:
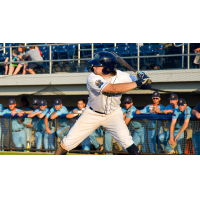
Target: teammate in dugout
[(151, 125), (177, 128), (105, 86), (18, 132), (40, 129), (196, 130), (138, 128), (54, 112)]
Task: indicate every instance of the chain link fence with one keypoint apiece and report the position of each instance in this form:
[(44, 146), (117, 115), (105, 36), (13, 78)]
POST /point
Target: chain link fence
[(150, 133)]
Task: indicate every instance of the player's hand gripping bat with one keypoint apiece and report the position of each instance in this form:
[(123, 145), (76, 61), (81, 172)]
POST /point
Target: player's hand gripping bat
[(125, 64)]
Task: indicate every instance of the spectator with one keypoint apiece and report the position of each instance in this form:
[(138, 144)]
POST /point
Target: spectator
[(177, 128), (18, 132), (54, 112), (40, 129), (196, 131), (33, 55), (14, 58), (36, 47), (27, 121), (151, 125), (197, 57), (22, 51), (138, 128)]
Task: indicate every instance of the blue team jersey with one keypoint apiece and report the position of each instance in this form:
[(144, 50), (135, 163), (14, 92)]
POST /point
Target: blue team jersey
[(147, 110), (130, 114), (169, 107), (38, 124), (152, 123), (187, 115), (62, 121), (16, 124)]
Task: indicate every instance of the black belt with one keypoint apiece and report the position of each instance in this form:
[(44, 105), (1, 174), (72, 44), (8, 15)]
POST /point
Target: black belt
[(176, 129), (18, 130), (97, 111)]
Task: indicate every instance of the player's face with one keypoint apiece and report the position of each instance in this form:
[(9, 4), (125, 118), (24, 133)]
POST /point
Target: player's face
[(98, 70), (182, 108), (57, 107), (12, 106), (43, 107), (23, 104), (35, 106), (156, 100), (128, 105), (173, 102), (80, 105)]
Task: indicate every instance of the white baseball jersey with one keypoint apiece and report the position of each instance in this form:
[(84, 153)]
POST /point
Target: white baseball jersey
[(106, 102)]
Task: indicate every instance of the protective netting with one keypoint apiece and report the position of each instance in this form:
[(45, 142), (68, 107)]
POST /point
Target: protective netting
[(149, 132)]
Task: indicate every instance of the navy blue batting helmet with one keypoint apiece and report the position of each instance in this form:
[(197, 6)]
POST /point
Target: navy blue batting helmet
[(104, 59)]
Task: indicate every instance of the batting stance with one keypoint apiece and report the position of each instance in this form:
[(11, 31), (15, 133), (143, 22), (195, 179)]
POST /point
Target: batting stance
[(105, 86)]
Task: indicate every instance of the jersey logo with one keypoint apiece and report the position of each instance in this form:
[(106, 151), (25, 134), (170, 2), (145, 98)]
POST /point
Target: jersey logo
[(98, 83)]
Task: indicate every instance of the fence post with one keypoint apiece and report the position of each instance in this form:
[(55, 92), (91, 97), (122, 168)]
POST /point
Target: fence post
[(92, 50), (10, 135), (138, 54), (156, 137), (50, 58), (104, 141), (188, 58), (10, 67), (56, 122)]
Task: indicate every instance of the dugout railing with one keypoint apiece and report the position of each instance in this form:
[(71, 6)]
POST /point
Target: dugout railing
[(137, 57), (146, 130)]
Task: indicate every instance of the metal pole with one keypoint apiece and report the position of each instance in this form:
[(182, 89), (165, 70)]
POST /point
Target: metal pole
[(56, 123), (10, 68), (10, 135), (115, 44), (79, 54), (92, 50), (104, 141), (50, 58), (138, 54), (183, 49), (156, 137), (4, 49), (188, 58)]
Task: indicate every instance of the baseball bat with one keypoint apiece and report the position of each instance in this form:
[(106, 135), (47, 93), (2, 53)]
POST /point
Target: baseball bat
[(125, 64)]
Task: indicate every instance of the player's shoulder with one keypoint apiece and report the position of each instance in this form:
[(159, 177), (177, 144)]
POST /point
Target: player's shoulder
[(133, 108), (189, 110)]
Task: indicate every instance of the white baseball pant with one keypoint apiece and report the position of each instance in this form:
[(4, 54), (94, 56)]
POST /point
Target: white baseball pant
[(89, 121)]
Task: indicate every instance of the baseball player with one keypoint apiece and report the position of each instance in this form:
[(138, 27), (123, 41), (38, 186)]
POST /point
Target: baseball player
[(39, 127), (105, 86), (18, 132), (137, 126), (169, 109), (54, 112), (151, 125), (27, 121), (196, 131), (177, 128)]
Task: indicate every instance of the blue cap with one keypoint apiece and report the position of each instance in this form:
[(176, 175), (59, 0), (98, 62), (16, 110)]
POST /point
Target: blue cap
[(36, 101), (57, 102), (43, 102), (173, 96), (181, 102), (11, 101), (128, 100), (156, 94)]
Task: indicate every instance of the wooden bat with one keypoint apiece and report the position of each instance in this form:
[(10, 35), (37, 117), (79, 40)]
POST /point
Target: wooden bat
[(125, 64)]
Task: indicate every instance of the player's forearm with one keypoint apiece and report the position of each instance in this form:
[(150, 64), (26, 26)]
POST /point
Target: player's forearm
[(41, 115), (138, 112), (70, 115), (172, 131), (53, 116), (194, 112), (33, 114), (120, 87)]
